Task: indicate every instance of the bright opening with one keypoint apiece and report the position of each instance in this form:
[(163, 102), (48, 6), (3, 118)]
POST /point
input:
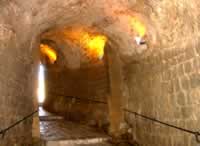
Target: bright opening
[(41, 84), (92, 44), (139, 28), (49, 52)]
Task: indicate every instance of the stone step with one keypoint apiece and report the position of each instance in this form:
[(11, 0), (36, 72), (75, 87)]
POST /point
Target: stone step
[(46, 116), (50, 118), (77, 143), (56, 131)]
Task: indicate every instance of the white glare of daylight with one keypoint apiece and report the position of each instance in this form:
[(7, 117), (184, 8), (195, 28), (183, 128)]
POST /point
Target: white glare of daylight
[(138, 40), (85, 141), (41, 84)]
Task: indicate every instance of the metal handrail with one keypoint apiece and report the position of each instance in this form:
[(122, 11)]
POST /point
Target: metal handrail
[(195, 133), (86, 99), (3, 132)]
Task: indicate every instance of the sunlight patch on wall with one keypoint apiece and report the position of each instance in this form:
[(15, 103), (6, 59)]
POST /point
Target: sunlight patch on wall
[(139, 28), (49, 52), (91, 44)]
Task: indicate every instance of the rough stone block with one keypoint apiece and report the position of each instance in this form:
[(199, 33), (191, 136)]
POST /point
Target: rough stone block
[(185, 82), (180, 58), (189, 52), (193, 141), (196, 64), (188, 67), (198, 47), (180, 70), (193, 96), (174, 72), (187, 112), (195, 80), (176, 85), (177, 113), (181, 98), (167, 75)]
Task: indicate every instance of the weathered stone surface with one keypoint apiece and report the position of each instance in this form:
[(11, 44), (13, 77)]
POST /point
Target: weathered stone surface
[(180, 70), (175, 107), (185, 84), (181, 98), (168, 32), (90, 82), (195, 80)]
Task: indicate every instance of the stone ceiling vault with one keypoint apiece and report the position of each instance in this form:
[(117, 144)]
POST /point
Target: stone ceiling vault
[(165, 20)]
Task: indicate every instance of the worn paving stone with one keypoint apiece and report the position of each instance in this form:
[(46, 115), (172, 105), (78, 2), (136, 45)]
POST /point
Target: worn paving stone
[(66, 130), (66, 133)]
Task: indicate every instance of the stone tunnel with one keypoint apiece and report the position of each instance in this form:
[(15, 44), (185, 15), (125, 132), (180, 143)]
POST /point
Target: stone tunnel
[(128, 69)]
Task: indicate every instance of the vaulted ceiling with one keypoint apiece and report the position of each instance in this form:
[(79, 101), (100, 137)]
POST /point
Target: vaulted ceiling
[(169, 23)]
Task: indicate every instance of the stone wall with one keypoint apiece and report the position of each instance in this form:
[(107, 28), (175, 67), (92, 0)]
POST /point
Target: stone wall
[(17, 74), (16, 88), (16, 97), (63, 86), (165, 86)]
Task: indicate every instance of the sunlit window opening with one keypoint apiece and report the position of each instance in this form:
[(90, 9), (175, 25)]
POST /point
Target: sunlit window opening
[(92, 44), (49, 52), (41, 84), (139, 28)]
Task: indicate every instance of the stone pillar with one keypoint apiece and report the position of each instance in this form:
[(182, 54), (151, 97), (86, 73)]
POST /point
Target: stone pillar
[(35, 69), (115, 99), (16, 63)]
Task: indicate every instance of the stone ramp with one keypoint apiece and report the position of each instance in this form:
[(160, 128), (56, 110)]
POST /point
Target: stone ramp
[(47, 116), (56, 131), (65, 130), (68, 143), (65, 133)]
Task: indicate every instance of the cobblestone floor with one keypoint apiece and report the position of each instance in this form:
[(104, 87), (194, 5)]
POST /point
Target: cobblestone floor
[(58, 132), (65, 130)]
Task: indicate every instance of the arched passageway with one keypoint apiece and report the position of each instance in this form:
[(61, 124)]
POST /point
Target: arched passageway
[(152, 65)]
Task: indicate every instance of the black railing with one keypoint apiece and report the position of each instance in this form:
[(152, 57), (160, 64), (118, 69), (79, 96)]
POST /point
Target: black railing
[(79, 98), (3, 132), (195, 133)]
